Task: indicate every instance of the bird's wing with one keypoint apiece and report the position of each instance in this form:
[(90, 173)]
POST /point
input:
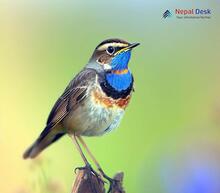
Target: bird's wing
[(75, 92)]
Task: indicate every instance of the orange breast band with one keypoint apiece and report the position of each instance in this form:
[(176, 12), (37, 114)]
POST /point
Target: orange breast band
[(102, 99), (124, 71)]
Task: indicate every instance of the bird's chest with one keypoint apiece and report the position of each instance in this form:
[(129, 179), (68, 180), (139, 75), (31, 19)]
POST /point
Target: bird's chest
[(97, 114), (104, 115)]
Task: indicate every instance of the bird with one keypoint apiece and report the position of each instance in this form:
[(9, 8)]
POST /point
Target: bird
[(94, 101)]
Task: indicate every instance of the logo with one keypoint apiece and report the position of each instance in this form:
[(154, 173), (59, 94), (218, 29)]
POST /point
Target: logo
[(167, 14), (188, 13), (193, 12)]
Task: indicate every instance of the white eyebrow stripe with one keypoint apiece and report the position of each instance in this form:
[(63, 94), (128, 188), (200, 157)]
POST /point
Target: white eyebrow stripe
[(114, 44)]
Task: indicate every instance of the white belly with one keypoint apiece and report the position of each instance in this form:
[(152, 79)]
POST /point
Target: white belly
[(92, 119)]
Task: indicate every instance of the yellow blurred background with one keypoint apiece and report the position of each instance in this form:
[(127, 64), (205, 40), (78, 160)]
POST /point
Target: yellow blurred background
[(169, 139)]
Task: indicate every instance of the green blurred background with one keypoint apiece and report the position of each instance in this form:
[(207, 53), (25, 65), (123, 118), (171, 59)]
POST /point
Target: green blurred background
[(169, 139)]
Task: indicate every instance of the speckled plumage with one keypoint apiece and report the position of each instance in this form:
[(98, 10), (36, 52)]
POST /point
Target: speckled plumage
[(95, 100)]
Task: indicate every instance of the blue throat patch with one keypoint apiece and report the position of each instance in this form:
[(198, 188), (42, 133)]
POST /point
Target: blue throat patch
[(120, 81)]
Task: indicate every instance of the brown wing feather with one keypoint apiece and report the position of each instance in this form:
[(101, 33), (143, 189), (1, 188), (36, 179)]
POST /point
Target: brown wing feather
[(73, 94)]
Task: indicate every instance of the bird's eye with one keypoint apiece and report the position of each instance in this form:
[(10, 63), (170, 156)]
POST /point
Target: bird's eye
[(110, 50)]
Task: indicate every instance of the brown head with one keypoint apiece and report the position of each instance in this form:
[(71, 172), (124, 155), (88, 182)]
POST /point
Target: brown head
[(106, 51)]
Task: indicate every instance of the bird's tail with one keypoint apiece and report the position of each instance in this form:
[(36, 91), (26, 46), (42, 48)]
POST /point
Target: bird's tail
[(47, 137)]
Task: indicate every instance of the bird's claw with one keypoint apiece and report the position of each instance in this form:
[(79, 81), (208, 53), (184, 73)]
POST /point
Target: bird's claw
[(112, 182), (90, 170), (86, 167)]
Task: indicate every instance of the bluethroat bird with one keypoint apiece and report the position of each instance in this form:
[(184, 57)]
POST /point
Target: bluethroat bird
[(94, 102)]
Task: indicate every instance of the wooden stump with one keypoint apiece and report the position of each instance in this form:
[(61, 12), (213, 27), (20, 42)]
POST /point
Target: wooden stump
[(87, 182)]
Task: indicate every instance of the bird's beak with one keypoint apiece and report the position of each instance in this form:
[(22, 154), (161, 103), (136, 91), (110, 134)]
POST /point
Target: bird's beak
[(129, 47), (133, 45)]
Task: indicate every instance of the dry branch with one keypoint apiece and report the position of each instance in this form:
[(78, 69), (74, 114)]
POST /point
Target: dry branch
[(87, 182)]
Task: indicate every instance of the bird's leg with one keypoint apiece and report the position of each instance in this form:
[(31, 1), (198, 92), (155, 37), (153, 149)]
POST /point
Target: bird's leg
[(87, 164), (111, 181), (89, 152)]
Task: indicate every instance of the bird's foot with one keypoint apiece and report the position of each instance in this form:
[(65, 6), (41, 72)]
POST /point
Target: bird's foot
[(112, 182), (90, 170)]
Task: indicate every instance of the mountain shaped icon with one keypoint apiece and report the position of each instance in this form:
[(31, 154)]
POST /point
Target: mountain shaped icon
[(166, 14)]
